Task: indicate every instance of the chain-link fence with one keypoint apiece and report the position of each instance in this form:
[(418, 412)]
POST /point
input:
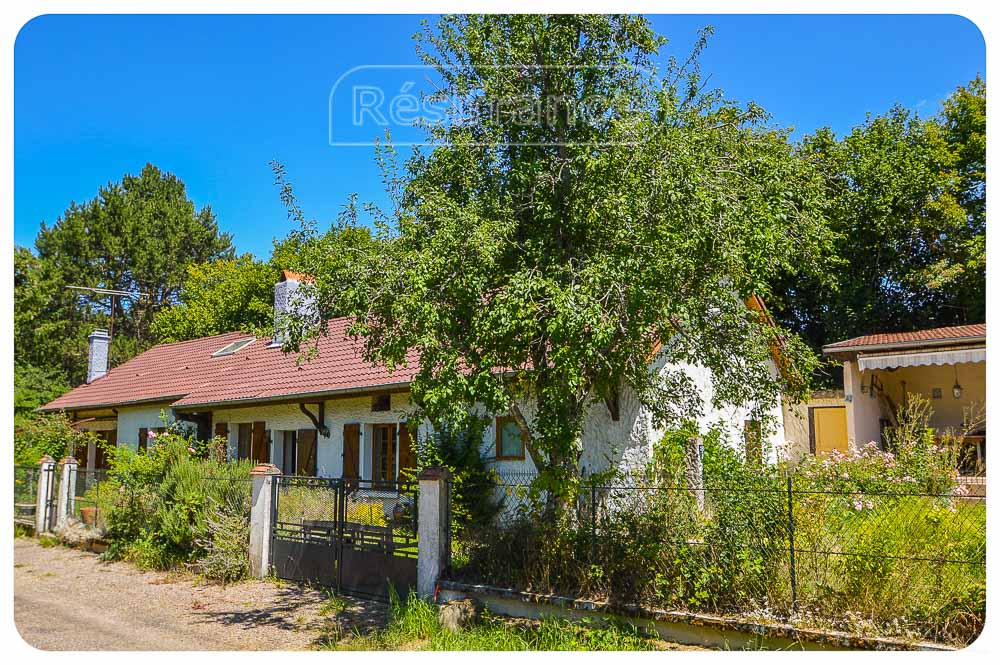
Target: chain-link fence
[(25, 494), (873, 562), (91, 498)]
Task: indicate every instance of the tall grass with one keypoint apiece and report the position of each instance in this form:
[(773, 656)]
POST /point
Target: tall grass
[(414, 625)]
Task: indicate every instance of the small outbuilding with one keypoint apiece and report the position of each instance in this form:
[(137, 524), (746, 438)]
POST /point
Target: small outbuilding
[(946, 366)]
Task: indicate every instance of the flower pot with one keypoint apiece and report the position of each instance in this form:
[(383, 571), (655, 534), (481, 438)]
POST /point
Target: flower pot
[(89, 516)]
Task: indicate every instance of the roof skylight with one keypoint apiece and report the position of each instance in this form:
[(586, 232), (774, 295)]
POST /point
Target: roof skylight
[(230, 349)]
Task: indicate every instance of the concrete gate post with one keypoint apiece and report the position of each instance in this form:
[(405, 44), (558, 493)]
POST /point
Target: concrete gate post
[(43, 500), (694, 452), (262, 518), (67, 489), (432, 528)]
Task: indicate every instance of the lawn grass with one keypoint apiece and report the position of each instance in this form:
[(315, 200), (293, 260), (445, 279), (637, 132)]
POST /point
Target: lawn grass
[(414, 626)]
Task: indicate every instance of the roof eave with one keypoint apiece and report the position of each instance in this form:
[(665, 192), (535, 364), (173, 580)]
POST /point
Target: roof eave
[(167, 399), (292, 397), (832, 349)]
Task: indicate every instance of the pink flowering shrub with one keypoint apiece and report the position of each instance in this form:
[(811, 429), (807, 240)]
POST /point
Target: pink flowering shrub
[(914, 461)]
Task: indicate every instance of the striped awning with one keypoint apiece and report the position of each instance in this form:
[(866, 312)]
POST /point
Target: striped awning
[(952, 357)]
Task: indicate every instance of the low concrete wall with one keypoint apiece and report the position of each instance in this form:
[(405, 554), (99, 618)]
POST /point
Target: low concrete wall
[(683, 627)]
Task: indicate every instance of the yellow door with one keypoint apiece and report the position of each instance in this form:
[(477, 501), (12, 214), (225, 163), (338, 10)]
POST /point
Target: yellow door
[(829, 429)]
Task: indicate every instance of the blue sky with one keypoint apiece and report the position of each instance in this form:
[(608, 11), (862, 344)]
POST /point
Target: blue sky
[(214, 98)]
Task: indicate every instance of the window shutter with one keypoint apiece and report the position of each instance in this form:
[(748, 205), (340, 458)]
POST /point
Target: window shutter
[(143, 438), (258, 452), (352, 441), (307, 452)]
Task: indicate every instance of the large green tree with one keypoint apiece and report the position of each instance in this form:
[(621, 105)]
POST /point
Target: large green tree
[(220, 296), (906, 200), (562, 246), (140, 235)]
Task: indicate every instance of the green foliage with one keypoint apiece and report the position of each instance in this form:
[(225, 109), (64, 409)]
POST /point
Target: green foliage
[(518, 245), (456, 446), (51, 435), (33, 387), (885, 543), (220, 296), (139, 234), (415, 625), (905, 198), (169, 506), (914, 461)]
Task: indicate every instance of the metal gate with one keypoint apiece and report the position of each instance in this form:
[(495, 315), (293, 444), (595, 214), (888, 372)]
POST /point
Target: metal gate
[(357, 536)]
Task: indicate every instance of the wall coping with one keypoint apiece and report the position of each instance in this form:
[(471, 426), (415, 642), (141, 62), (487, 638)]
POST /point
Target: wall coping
[(434, 473), (838, 639), (265, 470)]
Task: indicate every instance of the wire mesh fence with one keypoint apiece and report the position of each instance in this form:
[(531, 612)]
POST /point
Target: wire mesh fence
[(91, 496), (906, 564), (25, 494)]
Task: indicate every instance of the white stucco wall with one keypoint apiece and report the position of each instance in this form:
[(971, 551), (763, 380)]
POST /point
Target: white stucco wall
[(130, 419), (339, 412), (863, 410)]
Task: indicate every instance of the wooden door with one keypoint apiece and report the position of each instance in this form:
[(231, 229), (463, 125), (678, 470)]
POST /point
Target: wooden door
[(352, 446), (258, 450), (829, 429)]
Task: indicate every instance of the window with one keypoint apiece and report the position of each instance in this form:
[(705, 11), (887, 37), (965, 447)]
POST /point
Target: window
[(383, 453), (381, 402), (244, 438), (230, 349), (143, 438), (510, 439), (288, 452)]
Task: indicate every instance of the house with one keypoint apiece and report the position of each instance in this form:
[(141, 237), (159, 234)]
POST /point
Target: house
[(882, 371), (334, 415)]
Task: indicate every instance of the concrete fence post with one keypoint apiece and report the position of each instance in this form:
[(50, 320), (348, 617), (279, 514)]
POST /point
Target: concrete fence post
[(694, 452), (67, 490), (262, 518), (432, 528), (43, 501)]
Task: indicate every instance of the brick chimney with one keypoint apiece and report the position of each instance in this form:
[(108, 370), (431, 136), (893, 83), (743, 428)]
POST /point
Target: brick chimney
[(97, 358)]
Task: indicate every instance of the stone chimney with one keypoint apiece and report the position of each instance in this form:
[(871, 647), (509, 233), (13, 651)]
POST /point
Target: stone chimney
[(97, 358), (294, 305)]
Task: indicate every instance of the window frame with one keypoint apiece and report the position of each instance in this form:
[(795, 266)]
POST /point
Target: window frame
[(501, 422)]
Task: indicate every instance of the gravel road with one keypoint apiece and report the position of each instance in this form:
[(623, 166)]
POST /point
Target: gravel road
[(70, 600)]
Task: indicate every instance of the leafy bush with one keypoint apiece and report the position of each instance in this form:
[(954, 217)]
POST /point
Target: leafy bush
[(884, 542), (171, 505), (48, 434), (914, 460)]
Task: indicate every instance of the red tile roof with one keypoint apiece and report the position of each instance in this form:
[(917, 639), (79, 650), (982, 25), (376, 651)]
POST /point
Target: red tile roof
[(186, 374), (933, 336)]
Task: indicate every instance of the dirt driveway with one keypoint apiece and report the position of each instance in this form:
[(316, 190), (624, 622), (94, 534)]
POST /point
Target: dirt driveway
[(67, 599)]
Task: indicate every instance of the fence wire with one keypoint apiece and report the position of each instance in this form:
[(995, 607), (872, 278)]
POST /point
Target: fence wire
[(25, 494), (902, 564)]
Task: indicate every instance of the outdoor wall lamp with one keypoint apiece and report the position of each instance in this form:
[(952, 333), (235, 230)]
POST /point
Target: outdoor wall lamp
[(956, 389)]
